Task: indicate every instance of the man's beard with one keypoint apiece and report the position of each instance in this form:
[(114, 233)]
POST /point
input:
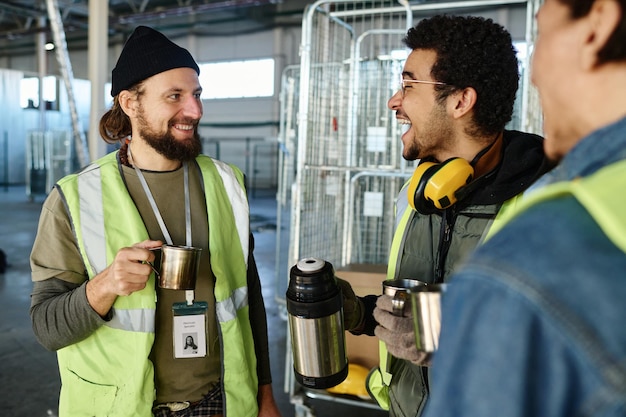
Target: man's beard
[(434, 136), (167, 145)]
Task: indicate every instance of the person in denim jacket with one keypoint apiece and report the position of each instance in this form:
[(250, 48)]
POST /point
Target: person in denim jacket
[(534, 323)]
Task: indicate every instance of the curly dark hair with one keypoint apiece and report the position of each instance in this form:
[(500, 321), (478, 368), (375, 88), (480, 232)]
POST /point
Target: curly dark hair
[(615, 47), (472, 52)]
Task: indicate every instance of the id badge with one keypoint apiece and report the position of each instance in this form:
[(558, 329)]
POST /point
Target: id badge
[(190, 329)]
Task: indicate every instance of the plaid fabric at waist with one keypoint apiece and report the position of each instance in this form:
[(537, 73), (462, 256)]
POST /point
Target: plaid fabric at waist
[(210, 405)]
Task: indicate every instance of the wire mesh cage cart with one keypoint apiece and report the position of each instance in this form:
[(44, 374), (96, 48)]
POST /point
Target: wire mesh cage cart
[(341, 163)]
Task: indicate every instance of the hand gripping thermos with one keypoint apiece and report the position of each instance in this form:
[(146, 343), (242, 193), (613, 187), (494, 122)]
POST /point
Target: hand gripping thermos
[(315, 310)]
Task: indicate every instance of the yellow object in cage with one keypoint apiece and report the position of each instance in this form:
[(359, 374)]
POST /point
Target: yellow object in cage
[(354, 384)]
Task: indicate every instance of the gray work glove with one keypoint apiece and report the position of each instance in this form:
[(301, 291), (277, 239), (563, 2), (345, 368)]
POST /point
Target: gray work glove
[(397, 332), (353, 310)]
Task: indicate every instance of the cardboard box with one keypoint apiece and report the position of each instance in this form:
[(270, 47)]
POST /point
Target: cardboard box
[(365, 279)]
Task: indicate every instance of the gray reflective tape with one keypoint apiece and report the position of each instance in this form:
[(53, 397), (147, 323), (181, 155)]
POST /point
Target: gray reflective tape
[(402, 204), (227, 309), (239, 203), (133, 320), (91, 210)]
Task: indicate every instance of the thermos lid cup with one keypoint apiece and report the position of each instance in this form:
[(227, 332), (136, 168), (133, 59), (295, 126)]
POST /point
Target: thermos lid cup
[(310, 264), (311, 280)]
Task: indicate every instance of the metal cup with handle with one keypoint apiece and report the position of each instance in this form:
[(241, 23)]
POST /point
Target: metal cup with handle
[(179, 267), (399, 289)]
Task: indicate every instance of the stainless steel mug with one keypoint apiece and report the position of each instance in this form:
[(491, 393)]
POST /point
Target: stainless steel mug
[(315, 314), (398, 289), (179, 267), (426, 308)]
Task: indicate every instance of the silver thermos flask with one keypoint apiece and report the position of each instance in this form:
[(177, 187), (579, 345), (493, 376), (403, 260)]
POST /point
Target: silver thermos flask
[(315, 310)]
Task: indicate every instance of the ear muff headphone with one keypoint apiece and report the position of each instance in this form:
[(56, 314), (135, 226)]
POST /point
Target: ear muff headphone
[(434, 186)]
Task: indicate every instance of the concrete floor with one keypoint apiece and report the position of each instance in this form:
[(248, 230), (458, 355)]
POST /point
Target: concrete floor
[(28, 373)]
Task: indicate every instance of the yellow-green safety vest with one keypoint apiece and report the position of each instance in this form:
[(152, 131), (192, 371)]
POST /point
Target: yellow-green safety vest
[(601, 194), (379, 379), (109, 373)]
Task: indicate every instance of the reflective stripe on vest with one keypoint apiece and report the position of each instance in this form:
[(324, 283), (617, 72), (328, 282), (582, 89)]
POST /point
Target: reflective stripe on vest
[(238, 202), (227, 310), (92, 218), (133, 320), (399, 236)]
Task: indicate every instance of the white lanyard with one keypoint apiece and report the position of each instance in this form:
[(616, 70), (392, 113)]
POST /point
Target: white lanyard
[(189, 294), (155, 208)]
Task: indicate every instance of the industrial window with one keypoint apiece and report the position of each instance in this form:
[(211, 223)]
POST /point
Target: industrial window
[(29, 92), (237, 79)]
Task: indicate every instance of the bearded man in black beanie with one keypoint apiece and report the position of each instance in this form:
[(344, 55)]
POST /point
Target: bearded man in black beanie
[(119, 336)]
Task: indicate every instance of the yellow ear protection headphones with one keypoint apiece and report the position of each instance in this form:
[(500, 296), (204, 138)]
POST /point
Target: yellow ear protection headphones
[(434, 185), (437, 186)]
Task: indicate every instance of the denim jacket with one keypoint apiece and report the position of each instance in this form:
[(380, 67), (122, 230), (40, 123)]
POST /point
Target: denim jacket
[(535, 323)]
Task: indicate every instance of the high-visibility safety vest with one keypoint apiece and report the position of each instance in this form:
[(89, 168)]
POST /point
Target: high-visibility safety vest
[(109, 373), (601, 194), (379, 379)]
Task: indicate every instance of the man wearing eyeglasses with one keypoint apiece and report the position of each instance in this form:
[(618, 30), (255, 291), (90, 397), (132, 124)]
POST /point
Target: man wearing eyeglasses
[(457, 93)]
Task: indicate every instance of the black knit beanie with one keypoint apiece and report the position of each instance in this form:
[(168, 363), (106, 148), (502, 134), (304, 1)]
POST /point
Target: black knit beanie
[(147, 53)]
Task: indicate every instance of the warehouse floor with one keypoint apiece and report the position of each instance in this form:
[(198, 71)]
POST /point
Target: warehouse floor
[(28, 375)]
